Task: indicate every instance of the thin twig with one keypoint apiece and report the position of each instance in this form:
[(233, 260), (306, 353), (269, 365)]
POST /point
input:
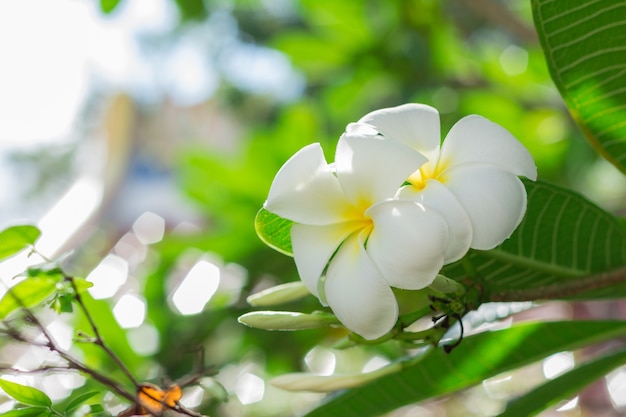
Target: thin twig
[(98, 338), (75, 363), (51, 345)]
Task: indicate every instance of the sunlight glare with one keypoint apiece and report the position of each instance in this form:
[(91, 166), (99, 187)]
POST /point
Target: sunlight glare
[(197, 288), (108, 277), (149, 228), (144, 339), (130, 311), (557, 364), (616, 385), (321, 361), (514, 60), (68, 215), (250, 389)]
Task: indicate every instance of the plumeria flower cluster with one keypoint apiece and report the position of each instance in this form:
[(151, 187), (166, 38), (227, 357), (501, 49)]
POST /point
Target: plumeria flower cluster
[(396, 205)]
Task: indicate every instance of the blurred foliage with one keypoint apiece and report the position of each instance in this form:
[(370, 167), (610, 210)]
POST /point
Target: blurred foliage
[(459, 56)]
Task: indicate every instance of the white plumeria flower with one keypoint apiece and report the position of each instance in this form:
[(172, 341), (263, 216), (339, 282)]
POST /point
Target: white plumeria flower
[(471, 178), (345, 218)]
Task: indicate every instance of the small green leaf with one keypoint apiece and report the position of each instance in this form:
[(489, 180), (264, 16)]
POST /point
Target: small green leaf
[(274, 231), (62, 303), (96, 408), (563, 387), (24, 394), (16, 238), (26, 412), (82, 285), (78, 401), (107, 6), (28, 293)]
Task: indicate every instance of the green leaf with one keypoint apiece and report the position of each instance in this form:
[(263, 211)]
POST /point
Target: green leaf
[(274, 231), (26, 412), (28, 293), (563, 387), (16, 238), (82, 285), (561, 241), (477, 358), (78, 401), (96, 409), (107, 6), (585, 46), (24, 394)]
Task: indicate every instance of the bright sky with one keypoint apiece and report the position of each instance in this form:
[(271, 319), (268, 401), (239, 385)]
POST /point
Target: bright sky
[(52, 52)]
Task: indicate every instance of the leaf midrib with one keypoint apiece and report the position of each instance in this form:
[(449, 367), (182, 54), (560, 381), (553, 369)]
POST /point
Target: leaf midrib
[(535, 264)]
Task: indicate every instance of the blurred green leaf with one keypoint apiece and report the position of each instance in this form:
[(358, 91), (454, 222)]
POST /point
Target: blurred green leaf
[(274, 231), (191, 9), (16, 238), (107, 6), (477, 358), (79, 400), (24, 394), (563, 387), (563, 239), (28, 293), (583, 42), (26, 412)]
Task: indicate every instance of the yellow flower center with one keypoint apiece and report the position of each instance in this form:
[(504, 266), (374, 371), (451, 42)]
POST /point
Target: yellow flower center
[(426, 172)]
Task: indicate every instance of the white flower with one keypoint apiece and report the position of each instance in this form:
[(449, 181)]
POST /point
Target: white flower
[(471, 178), (345, 218)]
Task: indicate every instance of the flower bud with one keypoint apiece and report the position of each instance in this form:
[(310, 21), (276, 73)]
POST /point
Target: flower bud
[(301, 381), (278, 294), (287, 320), (446, 285)]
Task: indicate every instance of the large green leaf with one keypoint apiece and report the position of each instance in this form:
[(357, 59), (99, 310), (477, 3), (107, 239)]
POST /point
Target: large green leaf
[(27, 412), (25, 394), (585, 46), (479, 357), (29, 293), (564, 387), (16, 238), (561, 241)]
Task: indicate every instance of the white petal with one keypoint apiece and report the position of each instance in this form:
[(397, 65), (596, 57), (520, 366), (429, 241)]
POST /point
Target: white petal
[(357, 292), (436, 196), (474, 139), (415, 125), (306, 191), (372, 169), (407, 243), (495, 201), (313, 246)]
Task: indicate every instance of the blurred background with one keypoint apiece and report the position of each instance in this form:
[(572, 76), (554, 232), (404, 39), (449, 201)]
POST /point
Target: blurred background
[(142, 137)]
